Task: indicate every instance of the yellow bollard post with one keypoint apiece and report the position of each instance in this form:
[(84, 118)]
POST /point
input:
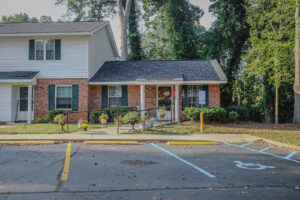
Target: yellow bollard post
[(201, 122)]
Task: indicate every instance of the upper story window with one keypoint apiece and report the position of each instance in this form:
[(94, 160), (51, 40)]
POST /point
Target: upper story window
[(114, 95), (45, 49)]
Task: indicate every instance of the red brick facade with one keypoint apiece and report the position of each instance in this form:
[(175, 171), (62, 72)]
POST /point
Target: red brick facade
[(214, 95), (41, 97), (90, 97)]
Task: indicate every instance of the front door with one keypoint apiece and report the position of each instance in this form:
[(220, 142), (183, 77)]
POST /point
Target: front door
[(23, 104), (164, 99)]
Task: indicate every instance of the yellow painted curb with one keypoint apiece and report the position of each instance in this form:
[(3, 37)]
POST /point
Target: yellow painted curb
[(190, 143), (28, 142), (111, 142), (64, 175)]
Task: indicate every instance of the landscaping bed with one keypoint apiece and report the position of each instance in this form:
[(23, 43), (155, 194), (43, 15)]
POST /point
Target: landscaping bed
[(286, 133), (42, 129)]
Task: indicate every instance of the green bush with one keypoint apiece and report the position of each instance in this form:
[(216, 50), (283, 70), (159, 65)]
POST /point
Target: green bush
[(231, 116), (53, 113), (94, 116), (44, 119), (211, 114), (131, 118), (243, 112), (256, 113), (121, 110)]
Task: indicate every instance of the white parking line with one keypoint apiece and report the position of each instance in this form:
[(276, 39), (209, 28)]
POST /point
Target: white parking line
[(265, 149), (291, 154), (184, 161), (246, 144), (263, 152)]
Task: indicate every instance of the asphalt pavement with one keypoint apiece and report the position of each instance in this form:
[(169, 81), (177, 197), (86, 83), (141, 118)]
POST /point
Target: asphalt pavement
[(149, 171)]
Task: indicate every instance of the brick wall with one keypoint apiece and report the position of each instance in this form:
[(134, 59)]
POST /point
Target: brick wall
[(214, 95), (134, 96), (95, 97), (41, 97)]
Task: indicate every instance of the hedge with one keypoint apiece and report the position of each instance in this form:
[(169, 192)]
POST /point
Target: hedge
[(211, 114)]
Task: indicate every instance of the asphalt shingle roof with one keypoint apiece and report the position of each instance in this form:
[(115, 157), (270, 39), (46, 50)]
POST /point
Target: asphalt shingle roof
[(18, 75), (50, 27), (193, 70)]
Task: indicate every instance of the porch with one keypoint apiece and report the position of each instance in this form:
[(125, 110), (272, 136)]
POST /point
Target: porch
[(16, 91)]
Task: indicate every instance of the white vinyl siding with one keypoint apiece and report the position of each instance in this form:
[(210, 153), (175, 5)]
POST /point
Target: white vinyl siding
[(5, 105), (100, 50), (14, 53)]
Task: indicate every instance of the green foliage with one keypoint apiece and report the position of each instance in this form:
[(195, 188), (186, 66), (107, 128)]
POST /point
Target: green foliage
[(59, 118), (256, 113), (134, 36), (21, 17), (131, 118), (118, 110), (243, 112), (180, 17), (103, 116), (232, 116), (211, 114), (94, 116), (46, 19), (53, 113), (44, 119), (161, 111)]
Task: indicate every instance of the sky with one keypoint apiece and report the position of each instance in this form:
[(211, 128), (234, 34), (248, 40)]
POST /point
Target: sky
[(37, 8)]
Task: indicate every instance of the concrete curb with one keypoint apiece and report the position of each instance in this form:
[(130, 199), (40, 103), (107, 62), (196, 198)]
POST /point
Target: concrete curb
[(280, 144)]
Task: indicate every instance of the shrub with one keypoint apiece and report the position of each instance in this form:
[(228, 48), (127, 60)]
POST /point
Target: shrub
[(211, 114), (231, 116), (103, 118), (243, 112), (256, 113), (44, 119), (94, 116), (121, 110), (131, 118), (60, 119), (53, 114)]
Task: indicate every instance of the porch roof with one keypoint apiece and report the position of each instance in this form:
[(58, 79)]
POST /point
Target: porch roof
[(18, 76), (175, 71)]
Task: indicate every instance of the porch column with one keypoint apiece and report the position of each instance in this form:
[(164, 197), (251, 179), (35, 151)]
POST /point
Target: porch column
[(176, 103), (142, 100), (29, 105)]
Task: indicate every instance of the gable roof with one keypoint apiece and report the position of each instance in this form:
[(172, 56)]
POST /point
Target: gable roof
[(198, 71), (50, 28)]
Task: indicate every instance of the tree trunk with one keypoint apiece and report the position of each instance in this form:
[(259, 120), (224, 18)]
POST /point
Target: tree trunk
[(123, 17), (297, 67), (277, 105)]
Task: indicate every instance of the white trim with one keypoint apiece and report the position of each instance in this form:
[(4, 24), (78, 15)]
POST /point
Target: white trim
[(111, 96), (56, 98), (45, 34), (98, 28), (157, 83)]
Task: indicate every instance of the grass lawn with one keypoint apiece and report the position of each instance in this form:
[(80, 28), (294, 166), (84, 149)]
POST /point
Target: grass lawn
[(42, 129), (286, 133)]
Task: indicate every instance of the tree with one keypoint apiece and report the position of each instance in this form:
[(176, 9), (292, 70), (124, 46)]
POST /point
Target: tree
[(180, 17), (134, 36), (226, 41), (297, 66), (21, 17), (45, 19), (271, 52), (95, 10)]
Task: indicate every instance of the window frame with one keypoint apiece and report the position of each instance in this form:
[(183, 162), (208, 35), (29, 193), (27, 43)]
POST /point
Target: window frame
[(56, 86), (108, 95), (44, 50), (199, 87)]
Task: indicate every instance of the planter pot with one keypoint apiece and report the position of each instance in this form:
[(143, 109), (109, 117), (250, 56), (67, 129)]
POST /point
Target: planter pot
[(162, 116), (120, 124), (103, 121)]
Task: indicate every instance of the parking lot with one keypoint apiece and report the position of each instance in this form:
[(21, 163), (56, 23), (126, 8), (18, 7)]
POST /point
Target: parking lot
[(149, 171)]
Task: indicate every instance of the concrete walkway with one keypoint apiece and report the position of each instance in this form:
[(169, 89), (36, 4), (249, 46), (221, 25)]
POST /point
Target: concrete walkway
[(111, 134)]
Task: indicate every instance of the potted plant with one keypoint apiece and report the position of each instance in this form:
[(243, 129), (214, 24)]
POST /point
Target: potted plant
[(162, 112), (103, 118), (118, 122), (79, 123), (131, 118), (60, 119), (84, 125)]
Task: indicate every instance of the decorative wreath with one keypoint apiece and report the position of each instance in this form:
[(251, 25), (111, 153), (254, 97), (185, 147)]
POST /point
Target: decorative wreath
[(165, 93)]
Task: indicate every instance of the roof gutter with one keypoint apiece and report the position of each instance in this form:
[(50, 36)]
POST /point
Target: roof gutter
[(157, 82), (46, 34)]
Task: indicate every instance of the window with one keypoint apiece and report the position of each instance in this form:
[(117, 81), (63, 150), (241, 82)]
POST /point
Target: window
[(114, 96), (24, 99), (193, 94), (44, 49), (63, 97)]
